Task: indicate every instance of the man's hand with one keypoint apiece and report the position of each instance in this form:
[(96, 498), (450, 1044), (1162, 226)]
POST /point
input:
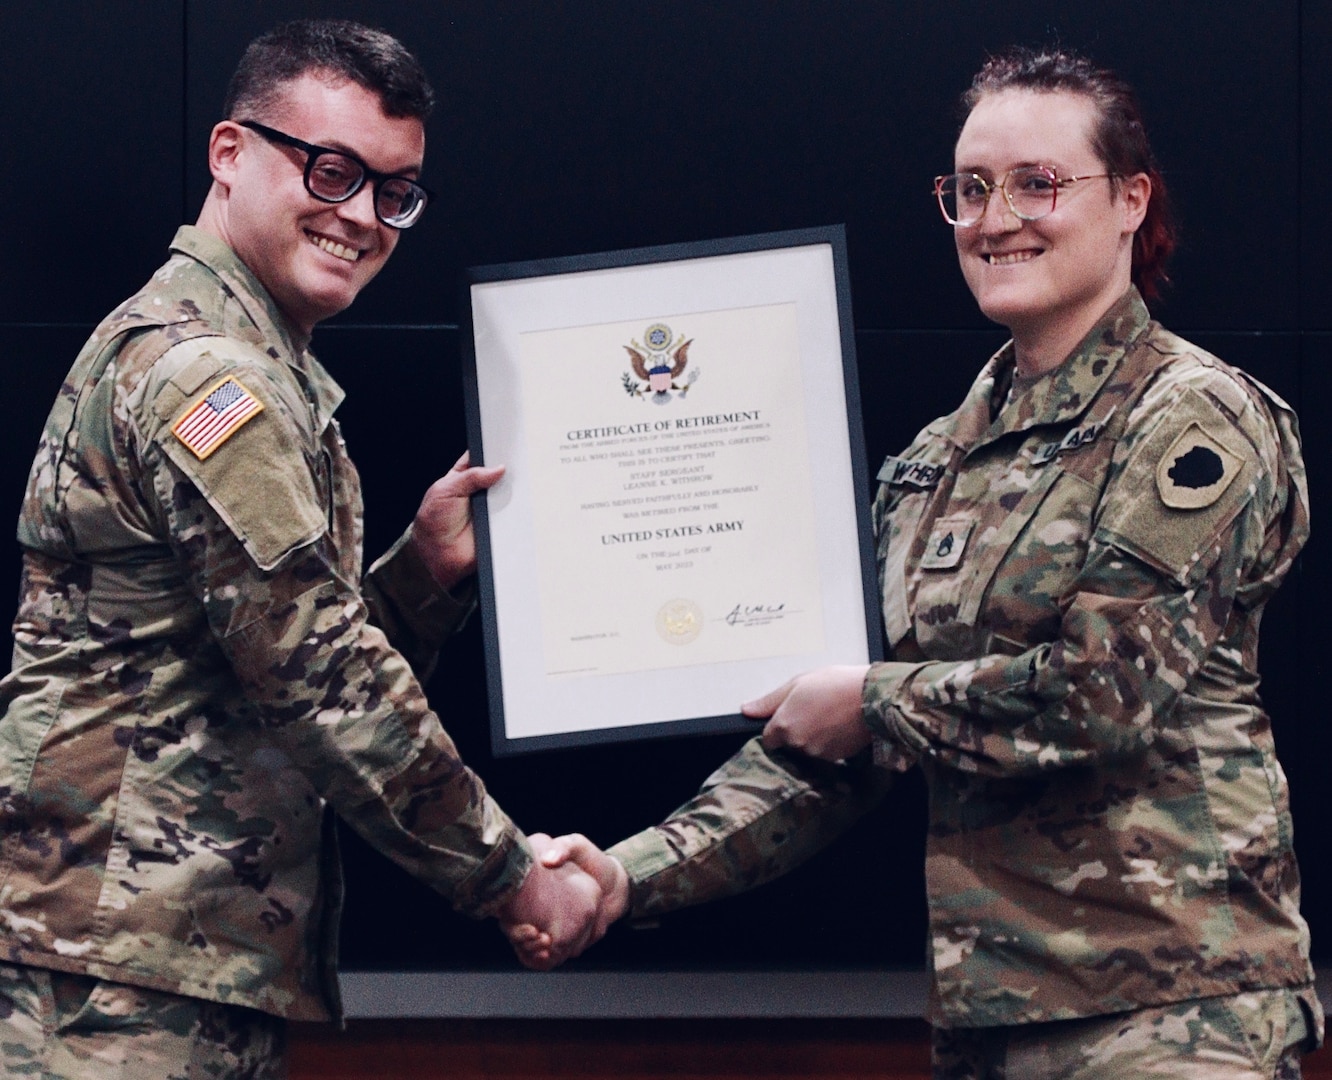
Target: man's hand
[(442, 529), (565, 903), (817, 713), (536, 943)]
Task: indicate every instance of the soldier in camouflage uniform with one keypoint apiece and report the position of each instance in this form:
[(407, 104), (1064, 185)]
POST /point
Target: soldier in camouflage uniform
[(200, 673), (1073, 568)]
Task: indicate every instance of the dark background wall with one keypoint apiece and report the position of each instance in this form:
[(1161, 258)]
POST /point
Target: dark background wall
[(591, 125)]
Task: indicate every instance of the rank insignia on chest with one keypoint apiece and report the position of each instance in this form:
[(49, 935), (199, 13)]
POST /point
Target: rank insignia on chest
[(948, 540), (215, 417), (1195, 470)]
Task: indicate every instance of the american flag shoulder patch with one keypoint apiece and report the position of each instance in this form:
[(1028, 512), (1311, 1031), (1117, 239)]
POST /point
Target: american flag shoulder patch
[(221, 412)]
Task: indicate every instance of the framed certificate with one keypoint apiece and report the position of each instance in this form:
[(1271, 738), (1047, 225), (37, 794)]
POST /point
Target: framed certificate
[(683, 524)]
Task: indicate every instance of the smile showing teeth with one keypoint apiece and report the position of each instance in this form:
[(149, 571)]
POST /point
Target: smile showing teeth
[(1010, 258), (334, 248)]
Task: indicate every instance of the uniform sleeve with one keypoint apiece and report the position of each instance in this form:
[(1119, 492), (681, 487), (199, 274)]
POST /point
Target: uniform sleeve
[(416, 615), (249, 525), (755, 818), (1202, 513)]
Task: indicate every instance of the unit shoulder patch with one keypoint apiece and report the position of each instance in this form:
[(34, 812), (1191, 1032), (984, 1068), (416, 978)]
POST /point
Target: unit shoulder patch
[(1187, 478), (1196, 470), (215, 416)]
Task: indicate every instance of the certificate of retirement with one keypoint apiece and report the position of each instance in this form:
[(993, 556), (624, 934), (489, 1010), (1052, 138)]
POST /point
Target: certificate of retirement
[(677, 523), (680, 526)]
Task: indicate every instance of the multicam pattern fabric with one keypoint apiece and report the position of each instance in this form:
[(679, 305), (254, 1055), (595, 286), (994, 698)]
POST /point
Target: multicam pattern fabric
[(57, 1026), (1073, 571), (1253, 1036), (199, 672)]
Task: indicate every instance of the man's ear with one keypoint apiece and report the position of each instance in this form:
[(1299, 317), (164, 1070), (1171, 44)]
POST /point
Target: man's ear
[(224, 150)]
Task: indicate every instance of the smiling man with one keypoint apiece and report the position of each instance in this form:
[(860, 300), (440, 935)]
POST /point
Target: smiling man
[(201, 677)]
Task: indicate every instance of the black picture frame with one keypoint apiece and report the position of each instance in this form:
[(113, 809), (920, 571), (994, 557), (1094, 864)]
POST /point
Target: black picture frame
[(490, 404)]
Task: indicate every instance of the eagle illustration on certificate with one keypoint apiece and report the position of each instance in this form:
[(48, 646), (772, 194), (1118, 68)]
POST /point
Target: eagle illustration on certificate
[(659, 364)]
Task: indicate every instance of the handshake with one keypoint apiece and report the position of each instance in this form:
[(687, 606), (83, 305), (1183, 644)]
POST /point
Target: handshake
[(576, 890), (570, 898)]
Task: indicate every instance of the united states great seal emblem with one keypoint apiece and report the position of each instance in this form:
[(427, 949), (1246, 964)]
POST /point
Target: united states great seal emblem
[(659, 362)]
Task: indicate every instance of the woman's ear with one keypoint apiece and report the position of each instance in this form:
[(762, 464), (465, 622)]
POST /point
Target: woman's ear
[(1135, 192)]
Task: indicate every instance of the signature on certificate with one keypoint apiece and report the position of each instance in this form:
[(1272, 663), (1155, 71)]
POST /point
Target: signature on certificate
[(755, 614)]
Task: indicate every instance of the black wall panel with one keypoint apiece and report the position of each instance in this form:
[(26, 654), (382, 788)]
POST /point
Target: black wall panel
[(402, 417), (1315, 291), (35, 357), (1307, 765), (91, 108), (597, 124)]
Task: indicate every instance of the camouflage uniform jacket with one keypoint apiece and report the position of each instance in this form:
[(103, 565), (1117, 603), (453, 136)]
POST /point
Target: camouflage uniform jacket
[(199, 670), (1072, 576)]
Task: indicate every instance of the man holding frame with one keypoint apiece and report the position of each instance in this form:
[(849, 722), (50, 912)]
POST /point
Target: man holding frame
[(200, 674)]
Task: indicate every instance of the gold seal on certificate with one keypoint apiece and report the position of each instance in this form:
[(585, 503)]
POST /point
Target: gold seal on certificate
[(680, 621), (679, 528)]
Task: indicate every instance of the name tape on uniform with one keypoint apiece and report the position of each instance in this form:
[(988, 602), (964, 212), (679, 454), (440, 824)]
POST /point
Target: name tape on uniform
[(921, 474)]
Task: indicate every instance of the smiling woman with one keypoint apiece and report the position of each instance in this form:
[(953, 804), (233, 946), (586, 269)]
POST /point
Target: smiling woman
[(1043, 134), (1047, 276), (1074, 564)]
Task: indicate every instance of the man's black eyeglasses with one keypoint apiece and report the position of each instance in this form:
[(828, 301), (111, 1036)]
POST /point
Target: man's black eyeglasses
[(334, 176)]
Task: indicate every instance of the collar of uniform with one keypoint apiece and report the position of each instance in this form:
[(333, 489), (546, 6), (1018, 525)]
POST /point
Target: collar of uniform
[(1063, 394), (971, 419), (321, 389), (241, 283)]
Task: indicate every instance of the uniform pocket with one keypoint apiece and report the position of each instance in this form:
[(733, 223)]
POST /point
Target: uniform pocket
[(1256, 1021), (1039, 540)]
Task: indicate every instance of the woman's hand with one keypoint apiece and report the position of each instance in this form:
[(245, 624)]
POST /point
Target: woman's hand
[(818, 713)]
